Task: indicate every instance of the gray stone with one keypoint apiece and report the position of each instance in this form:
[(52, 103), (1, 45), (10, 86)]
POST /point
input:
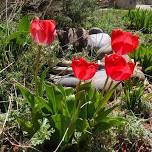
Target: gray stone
[(99, 80), (101, 42), (125, 4)]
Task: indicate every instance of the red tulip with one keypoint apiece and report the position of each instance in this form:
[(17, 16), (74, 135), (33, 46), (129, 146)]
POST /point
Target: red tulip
[(82, 69), (43, 32), (123, 42), (117, 68)]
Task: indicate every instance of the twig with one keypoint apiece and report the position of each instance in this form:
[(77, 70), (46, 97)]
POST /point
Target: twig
[(47, 7), (2, 80), (9, 108), (22, 146), (6, 68), (61, 140)]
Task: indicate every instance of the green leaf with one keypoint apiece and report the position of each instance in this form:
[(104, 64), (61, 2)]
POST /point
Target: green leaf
[(42, 103), (56, 98), (61, 123), (82, 125), (24, 24), (104, 113), (26, 94), (148, 68), (41, 83), (26, 125), (85, 86), (51, 96), (107, 123), (70, 104)]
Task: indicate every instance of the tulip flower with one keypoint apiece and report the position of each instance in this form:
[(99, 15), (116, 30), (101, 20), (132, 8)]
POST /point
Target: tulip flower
[(117, 68), (82, 69), (123, 42), (43, 32)]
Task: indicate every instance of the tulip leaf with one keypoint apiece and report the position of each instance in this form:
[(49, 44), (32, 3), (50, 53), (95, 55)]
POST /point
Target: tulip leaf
[(41, 83), (62, 123), (70, 104), (26, 94), (82, 125), (42, 103), (85, 86), (24, 24), (104, 113), (56, 98), (51, 96)]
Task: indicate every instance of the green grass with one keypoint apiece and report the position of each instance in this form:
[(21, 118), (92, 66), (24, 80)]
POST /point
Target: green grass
[(139, 19), (107, 19)]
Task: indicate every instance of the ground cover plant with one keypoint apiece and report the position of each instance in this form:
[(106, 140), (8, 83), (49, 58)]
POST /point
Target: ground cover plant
[(39, 115)]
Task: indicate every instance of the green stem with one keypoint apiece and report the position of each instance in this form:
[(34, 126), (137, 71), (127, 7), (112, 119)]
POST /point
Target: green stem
[(37, 65), (78, 86), (104, 87), (111, 83)]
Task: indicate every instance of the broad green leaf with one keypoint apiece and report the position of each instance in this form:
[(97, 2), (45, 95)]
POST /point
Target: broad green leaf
[(61, 123), (26, 94), (70, 104), (26, 125), (24, 24), (51, 96), (41, 83), (82, 125), (42, 103)]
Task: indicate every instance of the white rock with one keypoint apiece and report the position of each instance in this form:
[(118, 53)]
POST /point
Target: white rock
[(100, 41), (99, 80)]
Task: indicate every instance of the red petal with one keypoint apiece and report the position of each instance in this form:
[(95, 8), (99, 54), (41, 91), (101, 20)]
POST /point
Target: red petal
[(123, 42), (117, 67), (82, 69), (43, 31)]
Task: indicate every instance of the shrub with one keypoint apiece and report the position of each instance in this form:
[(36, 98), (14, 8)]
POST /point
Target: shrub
[(78, 10)]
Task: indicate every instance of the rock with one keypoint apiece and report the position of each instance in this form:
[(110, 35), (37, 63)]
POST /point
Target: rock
[(139, 74), (125, 4), (100, 41), (72, 36), (104, 3), (99, 80), (95, 30), (67, 81)]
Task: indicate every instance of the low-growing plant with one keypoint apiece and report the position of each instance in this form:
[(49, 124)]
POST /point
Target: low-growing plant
[(133, 135), (140, 19), (144, 56), (69, 111), (133, 96), (135, 100)]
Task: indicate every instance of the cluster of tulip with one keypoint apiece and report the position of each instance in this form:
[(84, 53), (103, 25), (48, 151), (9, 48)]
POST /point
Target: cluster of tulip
[(117, 67)]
